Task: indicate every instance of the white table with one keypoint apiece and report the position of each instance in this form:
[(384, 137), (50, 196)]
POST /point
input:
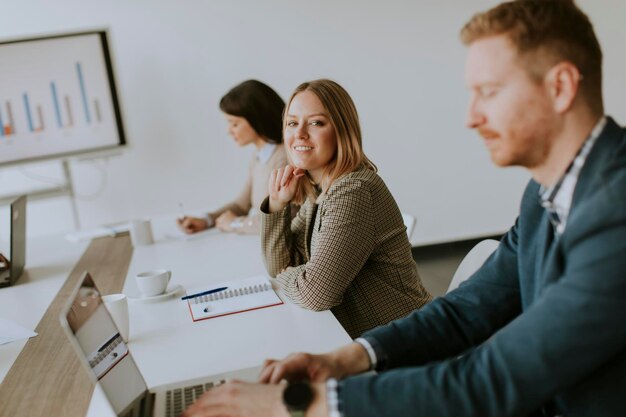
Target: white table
[(169, 347), (165, 329)]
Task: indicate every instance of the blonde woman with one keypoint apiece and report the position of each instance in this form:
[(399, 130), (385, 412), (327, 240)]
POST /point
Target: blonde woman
[(347, 249)]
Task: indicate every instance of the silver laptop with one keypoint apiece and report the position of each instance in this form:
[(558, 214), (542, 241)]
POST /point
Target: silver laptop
[(11, 269), (108, 361)]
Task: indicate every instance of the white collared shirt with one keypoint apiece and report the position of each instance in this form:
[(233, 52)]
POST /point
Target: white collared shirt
[(265, 153)]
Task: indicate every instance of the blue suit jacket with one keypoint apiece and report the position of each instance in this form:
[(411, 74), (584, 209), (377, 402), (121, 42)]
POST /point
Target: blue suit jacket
[(541, 325)]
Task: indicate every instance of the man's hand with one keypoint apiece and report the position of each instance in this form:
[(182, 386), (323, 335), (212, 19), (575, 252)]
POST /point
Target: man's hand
[(299, 367), (348, 360), (240, 399)]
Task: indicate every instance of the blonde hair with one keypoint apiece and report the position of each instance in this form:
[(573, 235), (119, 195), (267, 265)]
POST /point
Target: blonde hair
[(344, 119), (545, 32)]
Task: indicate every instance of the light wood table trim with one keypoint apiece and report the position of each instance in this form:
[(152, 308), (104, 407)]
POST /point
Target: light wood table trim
[(47, 378)]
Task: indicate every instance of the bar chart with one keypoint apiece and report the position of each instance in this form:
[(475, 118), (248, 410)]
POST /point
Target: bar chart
[(63, 117), (56, 97), (8, 128)]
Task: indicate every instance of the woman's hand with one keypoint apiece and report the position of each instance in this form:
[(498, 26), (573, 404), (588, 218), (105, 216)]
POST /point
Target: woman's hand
[(282, 186), (225, 220), (192, 224)]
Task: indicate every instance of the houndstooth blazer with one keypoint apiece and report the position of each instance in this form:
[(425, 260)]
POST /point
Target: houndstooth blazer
[(347, 252)]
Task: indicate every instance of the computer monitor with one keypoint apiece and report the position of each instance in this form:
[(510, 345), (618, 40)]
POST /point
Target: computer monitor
[(17, 255), (58, 97)]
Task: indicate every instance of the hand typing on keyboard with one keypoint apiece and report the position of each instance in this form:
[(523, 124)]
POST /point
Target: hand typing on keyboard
[(242, 399)]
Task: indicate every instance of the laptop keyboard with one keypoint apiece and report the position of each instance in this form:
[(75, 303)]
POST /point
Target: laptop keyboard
[(177, 400)]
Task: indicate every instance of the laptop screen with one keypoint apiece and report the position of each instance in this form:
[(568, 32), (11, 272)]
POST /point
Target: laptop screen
[(12, 263), (101, 347)]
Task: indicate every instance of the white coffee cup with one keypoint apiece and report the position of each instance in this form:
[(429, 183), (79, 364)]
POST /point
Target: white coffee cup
[(141, 232), (117, 305), (151, 283)]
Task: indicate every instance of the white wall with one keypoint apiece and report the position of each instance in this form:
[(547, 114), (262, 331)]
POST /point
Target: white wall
[(401, 61)]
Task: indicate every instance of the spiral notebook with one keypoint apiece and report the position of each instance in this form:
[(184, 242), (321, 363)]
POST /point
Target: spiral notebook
[(240, 295)]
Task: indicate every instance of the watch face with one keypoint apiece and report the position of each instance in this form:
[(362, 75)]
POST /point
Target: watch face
[(298, 396)]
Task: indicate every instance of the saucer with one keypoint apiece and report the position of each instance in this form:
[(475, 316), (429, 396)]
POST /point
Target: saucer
[(170, 292)]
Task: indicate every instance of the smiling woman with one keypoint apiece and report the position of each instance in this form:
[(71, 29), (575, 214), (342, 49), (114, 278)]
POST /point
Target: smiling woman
[(347, 249)]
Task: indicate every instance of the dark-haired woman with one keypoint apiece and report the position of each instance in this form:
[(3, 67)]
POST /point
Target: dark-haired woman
[(254, 114)]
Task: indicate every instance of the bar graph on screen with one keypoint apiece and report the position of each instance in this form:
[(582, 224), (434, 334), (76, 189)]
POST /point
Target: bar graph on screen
[(57, 97), (7, 127)]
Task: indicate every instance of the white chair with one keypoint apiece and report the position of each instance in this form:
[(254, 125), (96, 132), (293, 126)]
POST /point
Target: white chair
[(474, 259), (409, 222)]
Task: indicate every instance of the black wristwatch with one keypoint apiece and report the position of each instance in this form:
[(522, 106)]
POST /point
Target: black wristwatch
[(297, 397)]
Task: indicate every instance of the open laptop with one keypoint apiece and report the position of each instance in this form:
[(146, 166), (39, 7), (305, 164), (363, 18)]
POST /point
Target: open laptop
[(108, 361), (17, 256)]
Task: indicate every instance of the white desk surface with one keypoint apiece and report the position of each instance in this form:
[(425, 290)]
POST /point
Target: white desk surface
[(168, 346), (49, 261), (165, 343)]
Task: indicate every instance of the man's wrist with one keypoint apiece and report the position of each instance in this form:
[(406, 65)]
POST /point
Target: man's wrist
[(351, 359), (315, 407), (370, 352), (319, 406)]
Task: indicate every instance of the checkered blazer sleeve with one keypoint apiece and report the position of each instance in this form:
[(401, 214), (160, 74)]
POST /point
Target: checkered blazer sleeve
[(345, 240), (282, 239)]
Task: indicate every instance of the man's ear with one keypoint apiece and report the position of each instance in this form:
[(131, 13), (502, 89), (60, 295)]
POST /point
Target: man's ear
[(562, 81)]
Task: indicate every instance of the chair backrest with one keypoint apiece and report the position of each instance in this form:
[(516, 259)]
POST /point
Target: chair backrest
[(474, 259), (409, 222)]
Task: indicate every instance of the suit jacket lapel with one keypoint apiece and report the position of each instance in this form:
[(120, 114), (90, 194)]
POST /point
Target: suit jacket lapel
[(597, 161), (545, 253), (552, 267), (588, 180)]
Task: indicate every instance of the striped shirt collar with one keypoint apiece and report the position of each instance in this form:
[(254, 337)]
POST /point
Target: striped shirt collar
[(557, 199), (264, 154)]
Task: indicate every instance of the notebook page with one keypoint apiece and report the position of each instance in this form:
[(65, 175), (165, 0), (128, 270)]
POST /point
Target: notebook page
[(242, 295)]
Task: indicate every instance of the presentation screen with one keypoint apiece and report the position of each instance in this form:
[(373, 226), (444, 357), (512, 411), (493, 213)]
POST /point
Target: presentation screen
[(57, 97)]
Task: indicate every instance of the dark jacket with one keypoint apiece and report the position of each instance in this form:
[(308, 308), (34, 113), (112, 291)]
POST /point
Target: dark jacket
[(542, 325)]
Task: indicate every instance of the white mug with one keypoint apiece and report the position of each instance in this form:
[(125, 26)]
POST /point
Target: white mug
[(117, 305), (151, 283), (141, 232)]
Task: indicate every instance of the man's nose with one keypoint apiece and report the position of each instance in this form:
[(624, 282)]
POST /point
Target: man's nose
[(474, 117)]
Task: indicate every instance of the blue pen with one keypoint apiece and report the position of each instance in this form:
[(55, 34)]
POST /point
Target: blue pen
[(187, 297)]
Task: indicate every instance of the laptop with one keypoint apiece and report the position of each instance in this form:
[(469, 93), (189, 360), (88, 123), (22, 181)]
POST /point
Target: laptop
[(17, 256), (109, 362)]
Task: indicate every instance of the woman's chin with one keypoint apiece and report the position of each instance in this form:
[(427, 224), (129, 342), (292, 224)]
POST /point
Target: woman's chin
[(241, 142), (298, 164)]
